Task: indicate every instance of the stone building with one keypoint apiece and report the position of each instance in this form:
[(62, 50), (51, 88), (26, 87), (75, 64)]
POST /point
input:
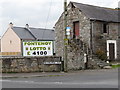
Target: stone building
[(0, 43), (94, 31), (11, 41)]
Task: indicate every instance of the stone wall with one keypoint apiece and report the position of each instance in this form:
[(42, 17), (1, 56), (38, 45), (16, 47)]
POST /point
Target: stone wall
[(118, 50), (118, 43), (91, 37), (75, 51), (119, 34), (0, 43), (99, 42), (114, 35), (100, 38), (30, 64)]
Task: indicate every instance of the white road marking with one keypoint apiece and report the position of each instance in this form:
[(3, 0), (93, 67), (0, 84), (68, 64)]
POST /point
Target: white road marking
[(1, 80), (113, 82)]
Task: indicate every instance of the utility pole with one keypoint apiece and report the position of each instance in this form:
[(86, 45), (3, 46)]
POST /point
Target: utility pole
[(65, 37)]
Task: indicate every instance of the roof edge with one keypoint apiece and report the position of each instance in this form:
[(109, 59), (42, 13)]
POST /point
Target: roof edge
[(94, 6)]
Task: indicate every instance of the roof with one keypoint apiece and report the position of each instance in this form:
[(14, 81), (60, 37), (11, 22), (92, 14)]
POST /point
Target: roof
[(98, 13), (34, 33)]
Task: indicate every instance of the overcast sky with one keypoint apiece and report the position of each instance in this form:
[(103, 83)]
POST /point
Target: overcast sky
[(39, 13)]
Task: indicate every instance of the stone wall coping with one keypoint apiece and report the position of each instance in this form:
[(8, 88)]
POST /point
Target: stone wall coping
[(21, 57)]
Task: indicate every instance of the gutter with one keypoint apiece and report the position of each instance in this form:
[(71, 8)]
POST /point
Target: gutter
[(91, 35)]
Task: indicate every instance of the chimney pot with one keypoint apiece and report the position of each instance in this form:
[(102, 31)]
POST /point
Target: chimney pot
[(11, 25), (27, 26)]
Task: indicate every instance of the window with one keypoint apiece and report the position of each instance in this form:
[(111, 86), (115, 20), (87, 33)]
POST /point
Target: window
[(10, 42), (75, 29), (105, 28)]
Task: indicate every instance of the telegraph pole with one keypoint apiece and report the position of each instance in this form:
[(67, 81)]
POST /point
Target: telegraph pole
[(65, 37)]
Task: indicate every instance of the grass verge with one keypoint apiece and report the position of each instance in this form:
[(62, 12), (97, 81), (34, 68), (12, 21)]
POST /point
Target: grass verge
[(116, 66)]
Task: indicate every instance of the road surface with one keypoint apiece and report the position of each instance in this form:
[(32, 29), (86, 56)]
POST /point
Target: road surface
[(79, 79)]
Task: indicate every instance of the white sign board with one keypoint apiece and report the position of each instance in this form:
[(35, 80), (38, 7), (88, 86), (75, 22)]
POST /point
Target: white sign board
[(68, 32), (37, 48)]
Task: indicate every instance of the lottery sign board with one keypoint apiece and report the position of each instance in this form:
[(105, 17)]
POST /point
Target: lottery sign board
[(37, 48)]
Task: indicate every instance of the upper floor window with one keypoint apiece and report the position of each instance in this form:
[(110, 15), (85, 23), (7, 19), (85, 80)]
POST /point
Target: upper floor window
[(105, 27), (76, 30)]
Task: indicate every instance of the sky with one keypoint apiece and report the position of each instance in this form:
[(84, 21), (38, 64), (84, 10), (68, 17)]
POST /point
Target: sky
[(39, 13)]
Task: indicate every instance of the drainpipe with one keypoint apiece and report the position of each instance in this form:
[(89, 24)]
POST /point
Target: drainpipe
[(91, 36), (21, 47)]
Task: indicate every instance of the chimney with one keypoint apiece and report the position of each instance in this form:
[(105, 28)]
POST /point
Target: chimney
[(27, 26), (10, 25), (53, 29)]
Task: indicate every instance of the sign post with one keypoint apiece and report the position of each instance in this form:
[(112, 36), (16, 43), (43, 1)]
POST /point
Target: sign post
[(65, 37)]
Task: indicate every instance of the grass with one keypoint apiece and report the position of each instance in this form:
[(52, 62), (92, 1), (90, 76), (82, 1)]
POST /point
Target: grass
[(116, 66)]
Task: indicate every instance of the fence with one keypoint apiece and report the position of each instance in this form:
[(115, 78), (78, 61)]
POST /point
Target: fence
[(10, 53)]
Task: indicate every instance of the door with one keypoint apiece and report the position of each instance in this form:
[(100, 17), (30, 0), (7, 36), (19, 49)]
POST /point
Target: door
[(111, 51)]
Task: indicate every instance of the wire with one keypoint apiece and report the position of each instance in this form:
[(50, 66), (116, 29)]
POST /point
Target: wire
[(47, 17), (48, 14)]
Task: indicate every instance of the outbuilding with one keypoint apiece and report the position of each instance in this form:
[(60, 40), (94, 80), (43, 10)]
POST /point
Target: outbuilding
[(94, 31)]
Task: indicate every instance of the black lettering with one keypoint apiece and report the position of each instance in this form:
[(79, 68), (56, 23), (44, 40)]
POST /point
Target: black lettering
[(44, 48), (41, 53), (45, 52), (34, 53), (38, 53)]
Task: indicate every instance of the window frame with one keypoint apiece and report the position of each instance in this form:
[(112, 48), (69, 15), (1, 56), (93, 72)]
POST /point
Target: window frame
[(76, 33)]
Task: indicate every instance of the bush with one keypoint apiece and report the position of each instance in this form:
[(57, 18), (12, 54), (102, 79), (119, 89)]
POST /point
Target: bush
[(101, 55)]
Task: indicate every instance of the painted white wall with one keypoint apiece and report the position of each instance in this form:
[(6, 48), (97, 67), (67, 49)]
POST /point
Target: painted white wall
[(10, 42)]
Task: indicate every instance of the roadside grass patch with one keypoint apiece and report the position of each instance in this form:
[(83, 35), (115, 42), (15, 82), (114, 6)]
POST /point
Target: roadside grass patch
[(116, 66)]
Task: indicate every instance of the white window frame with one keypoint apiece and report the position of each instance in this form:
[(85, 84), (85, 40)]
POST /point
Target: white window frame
[(115, 44)]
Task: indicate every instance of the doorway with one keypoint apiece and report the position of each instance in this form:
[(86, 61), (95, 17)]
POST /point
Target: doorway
[(111, 49)]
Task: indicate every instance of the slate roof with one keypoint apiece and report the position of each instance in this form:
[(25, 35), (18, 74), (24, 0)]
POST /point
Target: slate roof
[(98, 13), (34, 33)]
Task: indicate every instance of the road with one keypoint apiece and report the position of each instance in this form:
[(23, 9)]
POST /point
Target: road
[(79, 79)]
